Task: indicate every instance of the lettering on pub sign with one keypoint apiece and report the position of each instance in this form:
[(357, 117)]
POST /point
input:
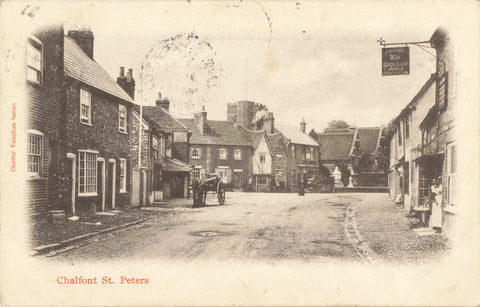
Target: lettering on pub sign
[(395, 61)]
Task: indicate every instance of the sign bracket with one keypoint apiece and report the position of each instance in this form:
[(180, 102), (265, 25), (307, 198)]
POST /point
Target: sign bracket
[(382, 43)]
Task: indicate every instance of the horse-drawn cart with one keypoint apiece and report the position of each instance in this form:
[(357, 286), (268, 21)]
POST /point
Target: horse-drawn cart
[(212, 184)]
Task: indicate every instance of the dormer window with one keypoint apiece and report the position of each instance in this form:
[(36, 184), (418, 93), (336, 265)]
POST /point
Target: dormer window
[(34, 60), (122, 118), (85, 107)]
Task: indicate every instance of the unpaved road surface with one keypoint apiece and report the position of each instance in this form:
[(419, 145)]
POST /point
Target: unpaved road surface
[(253, 226)]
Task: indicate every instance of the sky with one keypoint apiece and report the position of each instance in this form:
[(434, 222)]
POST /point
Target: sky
[(302, 59)]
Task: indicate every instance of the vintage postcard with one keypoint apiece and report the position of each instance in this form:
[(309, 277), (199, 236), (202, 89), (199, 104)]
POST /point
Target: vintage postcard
[(192, 153)]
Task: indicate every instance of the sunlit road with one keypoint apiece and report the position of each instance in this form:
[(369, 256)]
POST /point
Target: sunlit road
[(253, 226)]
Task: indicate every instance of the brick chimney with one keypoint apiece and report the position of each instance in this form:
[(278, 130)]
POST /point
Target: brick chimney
[(84, 39), (164, 103), (201, 120), (127, 82), (303, 125), (268, 123)]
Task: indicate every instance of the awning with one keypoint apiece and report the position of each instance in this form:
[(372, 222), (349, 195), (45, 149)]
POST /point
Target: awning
[(429, 156), (174, 165)]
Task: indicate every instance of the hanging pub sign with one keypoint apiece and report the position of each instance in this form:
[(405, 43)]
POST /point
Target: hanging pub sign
[(395, 61)]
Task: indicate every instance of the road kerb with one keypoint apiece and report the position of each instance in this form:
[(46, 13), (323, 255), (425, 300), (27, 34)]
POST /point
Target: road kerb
[(62, 244), (356, 239)]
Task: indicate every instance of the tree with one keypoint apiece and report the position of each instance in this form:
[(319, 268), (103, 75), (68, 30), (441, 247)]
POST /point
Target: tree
[(338, 124)]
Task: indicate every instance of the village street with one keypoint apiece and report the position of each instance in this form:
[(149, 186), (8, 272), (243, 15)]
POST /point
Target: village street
[(250, 226)]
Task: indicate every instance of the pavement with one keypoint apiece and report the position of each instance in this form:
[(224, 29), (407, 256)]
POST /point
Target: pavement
[(393, 236), (355, 227)]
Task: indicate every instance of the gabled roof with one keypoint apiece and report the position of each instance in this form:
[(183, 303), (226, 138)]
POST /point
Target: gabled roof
[(161, 119), (216, 133), (336, 146), (277, 143), (368, 138), (79, 66), (295, 136)]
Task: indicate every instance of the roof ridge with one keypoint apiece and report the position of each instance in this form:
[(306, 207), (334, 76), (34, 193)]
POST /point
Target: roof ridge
[(127, 97)]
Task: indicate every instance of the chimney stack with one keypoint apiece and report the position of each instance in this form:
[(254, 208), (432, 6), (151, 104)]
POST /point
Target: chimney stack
[(268, 123), (201, 120), (163, 103), (303, 125), (127, 83), (84, 39)]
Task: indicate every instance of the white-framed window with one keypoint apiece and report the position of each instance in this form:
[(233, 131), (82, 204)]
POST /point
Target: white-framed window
[(237, 153), (312, 154), (196, 173), (34, 152), (34, 60), (122, 118), (85, 107), (309, 154), (279, 162), (87, 173), (222, 172), (262, 158), (452, 168), (195, 153), (123, 175), (293, 151), (223, 153)]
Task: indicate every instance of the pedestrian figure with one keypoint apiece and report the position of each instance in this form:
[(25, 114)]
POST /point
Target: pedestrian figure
[(436, 199)]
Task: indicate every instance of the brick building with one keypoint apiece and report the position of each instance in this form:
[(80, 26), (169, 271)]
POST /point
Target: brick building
[(294, 153), (45, 138), (219, 147), (171, 174), (98, 116)]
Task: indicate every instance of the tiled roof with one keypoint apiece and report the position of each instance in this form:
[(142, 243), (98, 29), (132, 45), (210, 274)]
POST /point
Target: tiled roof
[(79, 66), (276, 143), (217, 133), (335, 146), (161, 119), (368, 138), (296, 136)]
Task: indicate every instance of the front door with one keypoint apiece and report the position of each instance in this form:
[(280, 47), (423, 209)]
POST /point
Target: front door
[(237, 180)]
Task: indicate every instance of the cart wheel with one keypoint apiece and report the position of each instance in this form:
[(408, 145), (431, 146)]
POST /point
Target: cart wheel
[(221, 193)]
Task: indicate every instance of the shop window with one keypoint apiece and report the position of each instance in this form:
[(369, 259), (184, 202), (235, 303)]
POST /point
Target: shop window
[(262, 179)]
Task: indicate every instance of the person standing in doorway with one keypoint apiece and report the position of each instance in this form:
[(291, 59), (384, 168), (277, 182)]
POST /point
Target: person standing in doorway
[(436, 199)]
